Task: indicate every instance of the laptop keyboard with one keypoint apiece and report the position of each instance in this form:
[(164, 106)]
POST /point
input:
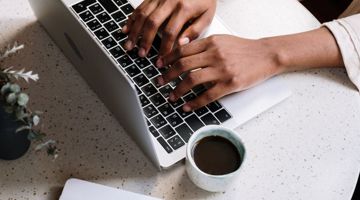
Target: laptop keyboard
[(167, 122)]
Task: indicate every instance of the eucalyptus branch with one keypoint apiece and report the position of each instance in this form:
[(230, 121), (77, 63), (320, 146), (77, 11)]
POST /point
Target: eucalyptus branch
[(20, 74), (11, 50)]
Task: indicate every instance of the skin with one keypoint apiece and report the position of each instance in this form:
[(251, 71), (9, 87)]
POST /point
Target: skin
[(172, 15), (228, 64)]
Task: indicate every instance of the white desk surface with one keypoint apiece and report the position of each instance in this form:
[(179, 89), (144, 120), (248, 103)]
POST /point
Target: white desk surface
[(305, 148)]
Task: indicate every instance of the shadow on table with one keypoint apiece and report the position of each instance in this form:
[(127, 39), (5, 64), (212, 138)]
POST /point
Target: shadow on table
[(93, 146)]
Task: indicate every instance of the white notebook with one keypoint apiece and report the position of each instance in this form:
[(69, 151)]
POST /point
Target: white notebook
[(76, 189)]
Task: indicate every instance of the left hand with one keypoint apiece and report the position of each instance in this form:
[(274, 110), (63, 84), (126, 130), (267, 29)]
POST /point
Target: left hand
[(230, 64)]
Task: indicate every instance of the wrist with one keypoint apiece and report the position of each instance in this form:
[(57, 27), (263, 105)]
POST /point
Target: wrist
[(278, 55)]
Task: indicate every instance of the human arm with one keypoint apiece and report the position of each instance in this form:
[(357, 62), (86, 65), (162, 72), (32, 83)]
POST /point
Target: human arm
[(231, 64)]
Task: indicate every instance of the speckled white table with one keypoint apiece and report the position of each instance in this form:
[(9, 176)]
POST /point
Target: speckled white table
[(307, 147)]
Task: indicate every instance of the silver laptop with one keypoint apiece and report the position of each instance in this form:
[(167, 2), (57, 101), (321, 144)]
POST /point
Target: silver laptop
[(89, 34)]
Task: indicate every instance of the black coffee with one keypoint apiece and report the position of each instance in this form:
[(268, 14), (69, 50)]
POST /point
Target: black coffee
[(216, 155)]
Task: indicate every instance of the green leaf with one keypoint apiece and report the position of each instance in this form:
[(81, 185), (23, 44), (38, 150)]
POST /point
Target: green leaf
[(15, 88), (20, 114), (5, 89), (11, 98), (22, 99), (21, 128), (36, 120)]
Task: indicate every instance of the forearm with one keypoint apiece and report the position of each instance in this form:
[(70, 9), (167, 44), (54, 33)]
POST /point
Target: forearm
[(312, 49)]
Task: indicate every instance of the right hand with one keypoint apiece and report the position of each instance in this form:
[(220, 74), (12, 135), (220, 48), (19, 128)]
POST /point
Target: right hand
[(146, 20)]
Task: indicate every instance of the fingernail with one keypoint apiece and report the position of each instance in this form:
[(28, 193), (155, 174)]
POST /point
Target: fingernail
[(125, 29), (142, 52), (128, 45), (159, 62), (183, 41), (186, 108), (161, 80), (171, 97)]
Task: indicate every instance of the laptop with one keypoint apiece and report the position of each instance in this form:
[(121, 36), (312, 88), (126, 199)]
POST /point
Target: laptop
[(89, 34)]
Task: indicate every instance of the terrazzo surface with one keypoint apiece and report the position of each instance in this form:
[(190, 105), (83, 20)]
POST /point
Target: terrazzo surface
[(307, 147)]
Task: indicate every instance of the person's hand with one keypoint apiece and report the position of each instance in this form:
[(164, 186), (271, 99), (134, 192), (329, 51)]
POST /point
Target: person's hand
[(227, 63), (146, 20)]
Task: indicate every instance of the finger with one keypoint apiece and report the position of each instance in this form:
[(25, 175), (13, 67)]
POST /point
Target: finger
[(172, 30), (193, 79), (152, 25), (195, 47), (196, 28), (126, 28), (184, 65), (137, 25), (212, 94)]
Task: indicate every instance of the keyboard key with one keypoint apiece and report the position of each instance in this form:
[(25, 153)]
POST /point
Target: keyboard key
[(149, 89), (118, 16), (174, 120), (120, 2), (127, 9), (214, 106), (199, 89), (155, 82), (117, 52), (150, 71), (132, 70), (108, 5), (166, 109), (141, 80), (184, 131), (103, 17), (101, 33), (201, 111), (96, 8), (182, 113), (138, 91), (125, 61), (165, 91), (158, 121), (167, 132), (153, 60), (189, 97), (164, 145), (79, 7), (86, 16), (163, 70), (152, 52), (177, 103), (143, 100), (150, 111), (176, 142), (223, 115), (175, 82), (133, 53), (157, 99), (111, 26), (153, 131), (93, 24), (142, 62), (148, 123), (118, 35), (209, 119), (194, 122), (109, 42)]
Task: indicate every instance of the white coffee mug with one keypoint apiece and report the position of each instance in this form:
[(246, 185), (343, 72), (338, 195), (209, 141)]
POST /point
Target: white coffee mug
[(209, 182)]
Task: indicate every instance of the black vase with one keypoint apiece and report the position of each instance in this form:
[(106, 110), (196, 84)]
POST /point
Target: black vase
[(12, 145)]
